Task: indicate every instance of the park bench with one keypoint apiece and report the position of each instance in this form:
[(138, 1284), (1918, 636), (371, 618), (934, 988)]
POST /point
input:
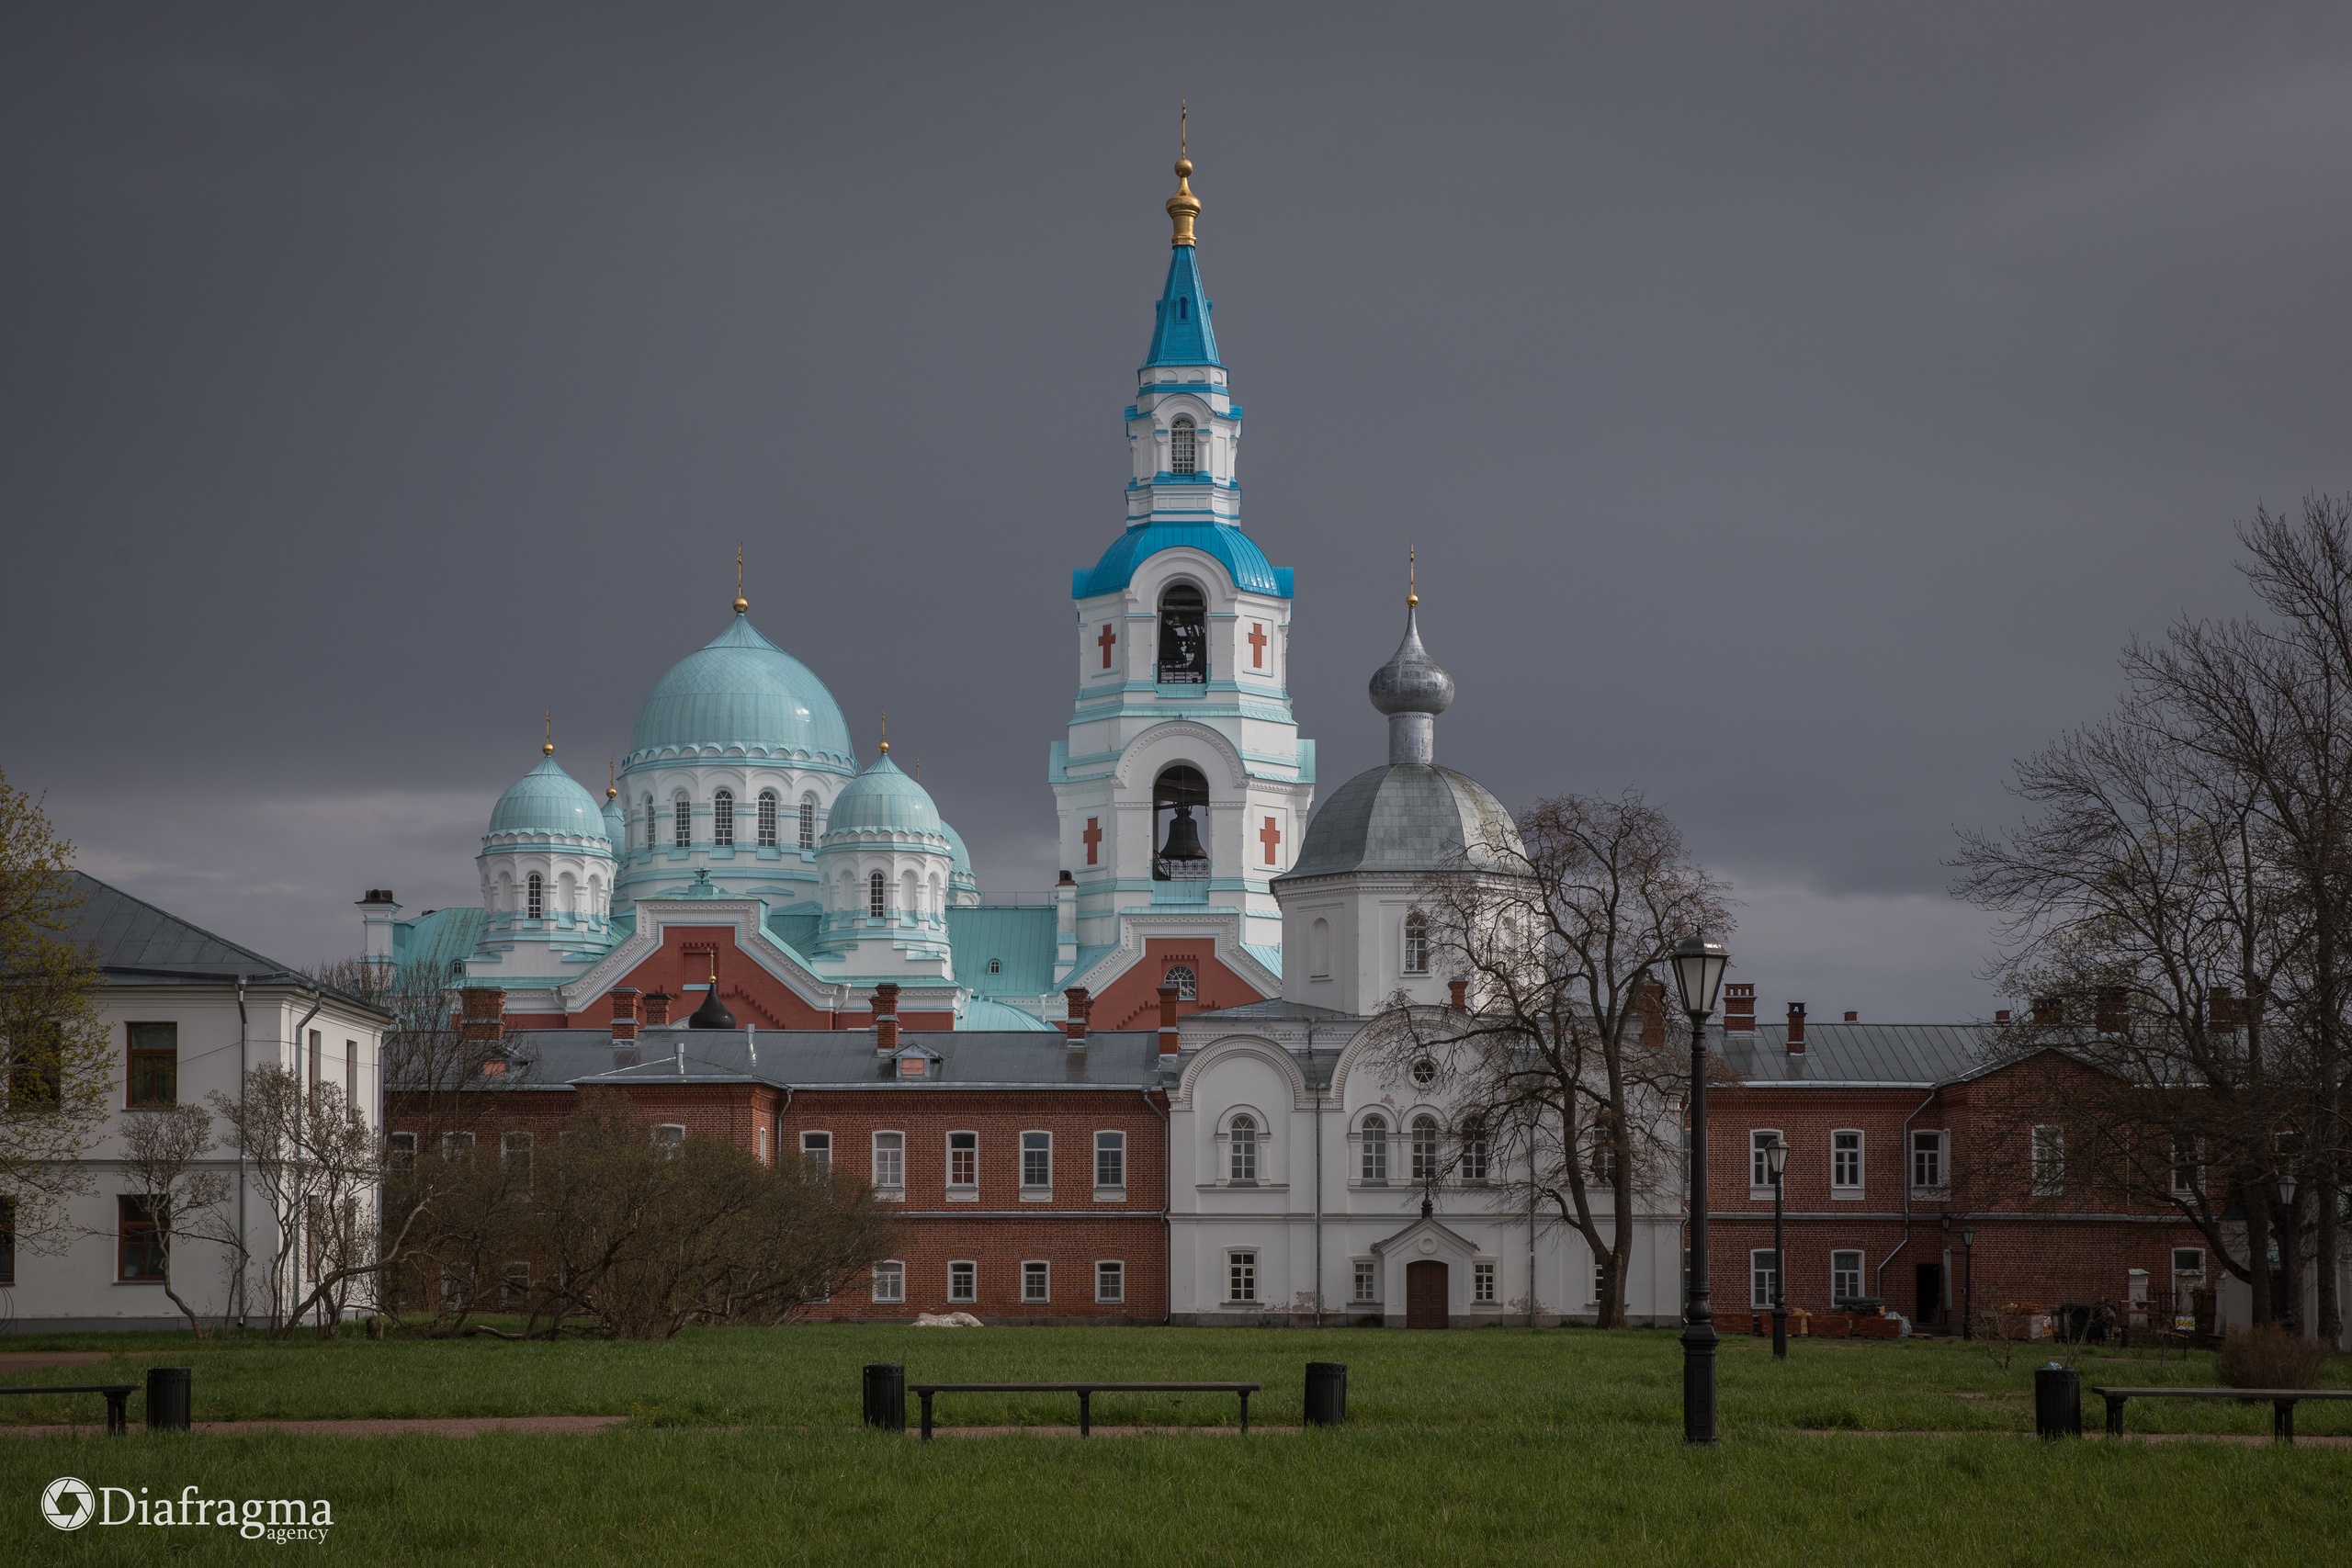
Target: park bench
[(117, 1400), (1085, 1391), (2282, 1403)]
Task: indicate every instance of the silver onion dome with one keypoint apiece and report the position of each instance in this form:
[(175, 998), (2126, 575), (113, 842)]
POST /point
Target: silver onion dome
[(1413, 691)]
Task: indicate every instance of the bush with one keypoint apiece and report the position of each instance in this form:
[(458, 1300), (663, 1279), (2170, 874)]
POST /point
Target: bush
[(2270, 1357)]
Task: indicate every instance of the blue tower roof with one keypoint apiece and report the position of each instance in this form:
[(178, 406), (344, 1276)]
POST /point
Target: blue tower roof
[(1235, 550), (1183, 334)]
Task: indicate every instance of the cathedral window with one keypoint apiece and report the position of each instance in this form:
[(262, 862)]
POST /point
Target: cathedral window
[(1473, 1150), (683, 829), (767, 819), (1375, 1149), (876, 890), (1183, 446), (1183, 636), (722, 818), (807, 821), (535, 906), (1242, 1150), (1426, 1161), (652, 824), (1187, 984), (1417, 943)]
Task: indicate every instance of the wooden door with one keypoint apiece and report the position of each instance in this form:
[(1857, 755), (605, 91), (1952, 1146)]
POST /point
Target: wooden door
[(1425, 1295)]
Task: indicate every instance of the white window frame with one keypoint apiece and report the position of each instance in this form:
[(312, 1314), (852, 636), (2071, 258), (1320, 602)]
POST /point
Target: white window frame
[(1414, 958), (770, 808), (1037, 1191), (1846, 1179), (1113, 1143), (2187, 1176), (1935, 1142), (1760, 1274), (1760, 1167), (895, 1166), (1036, 1282), (968, 1191), (1367, 1145), (1241, 1277), (722, 818), (1427, 1154), (877, 895), (1110, 1282), (2048, 1170), (890, 1281), (1186, 981), (515, 1148), (670, 1137), (1367, 1283), (1183, 446), (1484, 1284), (2181, 1273), (1477, 1153), (1244, 1154), (682, 823), (818, 1144), (968, 1272), (534, 897), (1858, 1271), (806, 837)]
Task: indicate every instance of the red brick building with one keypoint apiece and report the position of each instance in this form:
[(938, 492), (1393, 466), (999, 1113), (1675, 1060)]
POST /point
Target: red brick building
[(1031, 1169), (1921, 1177)]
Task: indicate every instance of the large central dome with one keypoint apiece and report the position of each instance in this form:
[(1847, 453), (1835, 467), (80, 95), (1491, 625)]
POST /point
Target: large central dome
[(743, 692)]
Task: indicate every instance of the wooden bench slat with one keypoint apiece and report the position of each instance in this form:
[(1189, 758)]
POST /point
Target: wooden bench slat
[(117, 1399), (1085, 1391)]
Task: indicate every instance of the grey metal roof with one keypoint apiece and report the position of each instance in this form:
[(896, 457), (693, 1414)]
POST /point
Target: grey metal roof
[(130, 934), (810, 1058), (1406, 817), (1892, 1053), (1272, 1008)]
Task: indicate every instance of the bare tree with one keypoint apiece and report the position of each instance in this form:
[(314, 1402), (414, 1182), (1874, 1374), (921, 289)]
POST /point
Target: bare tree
[(1562, 1058), (162, 1163), (55, 1064), (318, 1166)]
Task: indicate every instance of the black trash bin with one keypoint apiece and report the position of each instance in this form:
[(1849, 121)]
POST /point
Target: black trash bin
[(1327, 1393), (170, 1404), (2057, 1402), (886, 1396)]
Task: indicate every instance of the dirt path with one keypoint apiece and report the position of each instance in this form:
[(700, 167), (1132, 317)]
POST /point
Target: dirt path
[(386, 1426)]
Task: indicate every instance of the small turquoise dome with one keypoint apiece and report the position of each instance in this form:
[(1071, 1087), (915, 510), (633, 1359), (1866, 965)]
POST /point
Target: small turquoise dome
[(884, 800), (983, 1015), (962, 887), (741, 690), (548, 801)]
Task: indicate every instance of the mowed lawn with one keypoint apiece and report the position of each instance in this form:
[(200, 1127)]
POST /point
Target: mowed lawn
[(742, 1445)]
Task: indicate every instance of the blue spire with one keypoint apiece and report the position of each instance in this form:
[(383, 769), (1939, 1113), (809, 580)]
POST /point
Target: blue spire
[(1183, 335)]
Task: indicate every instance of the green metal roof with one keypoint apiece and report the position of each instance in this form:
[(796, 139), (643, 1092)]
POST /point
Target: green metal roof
[(1019, 940)]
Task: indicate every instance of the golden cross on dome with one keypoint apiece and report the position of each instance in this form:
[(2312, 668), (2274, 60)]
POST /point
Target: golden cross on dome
[(547, 749), (741, 604), (885, 732), (611, 788), (1412, 578)]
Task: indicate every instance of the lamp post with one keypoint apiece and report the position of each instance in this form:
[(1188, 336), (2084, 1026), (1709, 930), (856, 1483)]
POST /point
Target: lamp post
[(2287, 1249), (1775, 1161), (1698, 975), (1968, 1282)]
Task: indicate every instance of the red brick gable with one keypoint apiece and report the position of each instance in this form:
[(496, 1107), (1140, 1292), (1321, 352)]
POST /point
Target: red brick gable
[(1132, 1000)]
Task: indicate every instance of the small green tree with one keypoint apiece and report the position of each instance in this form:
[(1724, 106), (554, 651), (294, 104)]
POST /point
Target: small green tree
[(55, 1067)]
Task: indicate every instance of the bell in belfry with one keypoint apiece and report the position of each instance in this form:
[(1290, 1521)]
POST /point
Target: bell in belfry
[(1183, 844)]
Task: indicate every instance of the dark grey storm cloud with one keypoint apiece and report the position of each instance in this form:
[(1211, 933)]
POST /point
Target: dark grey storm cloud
[(1794, 406)]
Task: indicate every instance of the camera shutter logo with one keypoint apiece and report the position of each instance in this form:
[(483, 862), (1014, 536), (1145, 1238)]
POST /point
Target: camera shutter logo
[(66, 1502)]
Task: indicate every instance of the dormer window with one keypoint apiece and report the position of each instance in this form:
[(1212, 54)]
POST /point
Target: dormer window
[(722, 818), (767, 819), (876, 891), (534, 896), (1183, 446)]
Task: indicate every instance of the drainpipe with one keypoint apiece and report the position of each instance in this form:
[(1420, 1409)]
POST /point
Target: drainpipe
[(1319, 1174), (1903, 1174), (1167, 1226), (301, 1108), (243, 1236), (1531, 1249)]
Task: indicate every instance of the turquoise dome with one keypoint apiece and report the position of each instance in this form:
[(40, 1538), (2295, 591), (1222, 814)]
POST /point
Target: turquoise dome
[(742, 689), (1225, 543), (884, 800), (547, 801), (959, 871), (984, 1016)]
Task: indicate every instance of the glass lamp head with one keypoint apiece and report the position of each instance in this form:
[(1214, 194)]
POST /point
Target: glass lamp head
[(1699, 966)]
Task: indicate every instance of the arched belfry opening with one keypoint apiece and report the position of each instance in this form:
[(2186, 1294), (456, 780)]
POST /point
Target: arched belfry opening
[(1178, 796), (1183, 446), (1183, 636)]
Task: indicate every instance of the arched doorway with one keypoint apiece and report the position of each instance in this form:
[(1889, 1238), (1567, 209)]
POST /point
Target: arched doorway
[(1425, 1282)]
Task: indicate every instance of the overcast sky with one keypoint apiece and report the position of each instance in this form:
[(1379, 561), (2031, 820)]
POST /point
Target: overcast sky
[(1795, 407)]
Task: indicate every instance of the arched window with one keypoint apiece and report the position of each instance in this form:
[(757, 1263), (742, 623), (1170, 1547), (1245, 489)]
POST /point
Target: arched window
[(1183, 636), (1417, 942), (652, 824), (1318, 950), (534, 905), (1186, 982), (722, 818), (1375, 1147), (1473, 1150), (910, 898), (1426, 1160), (1182, 446), (681, 832), (807, 821), (767, 819), (877, 892), (996, 965), (1242, 1146)]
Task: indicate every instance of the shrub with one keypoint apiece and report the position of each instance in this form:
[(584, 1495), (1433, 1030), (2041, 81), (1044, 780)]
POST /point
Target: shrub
[(2267, 1357)]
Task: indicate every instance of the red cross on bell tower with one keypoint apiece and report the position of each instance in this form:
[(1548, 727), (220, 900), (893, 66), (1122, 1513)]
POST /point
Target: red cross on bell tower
[(1092, 839), (1104, 642), (1272, 837), (1257, 646)]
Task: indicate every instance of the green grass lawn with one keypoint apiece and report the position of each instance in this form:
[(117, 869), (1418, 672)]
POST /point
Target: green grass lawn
[(1563, 1443)]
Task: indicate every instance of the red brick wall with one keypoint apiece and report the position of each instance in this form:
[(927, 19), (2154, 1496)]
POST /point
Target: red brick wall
[(1132, 1000)]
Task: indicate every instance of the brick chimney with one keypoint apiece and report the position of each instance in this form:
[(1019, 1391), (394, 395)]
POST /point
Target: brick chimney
[(886, 1018), (624, 1012), (1649, 1009), (1459, 991), (1167, 1021), (656, 1007), (1796, 1029), (1074, 1026), (1853, 1017), (1739, 1007), (2114, 1015), (484, 1015), (2048, 1013)]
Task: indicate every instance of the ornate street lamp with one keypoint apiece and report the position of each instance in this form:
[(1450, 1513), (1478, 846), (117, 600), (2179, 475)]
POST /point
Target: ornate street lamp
[(1968, 1286), (1776, 1160), (1699, 967), (2287, 1250)]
